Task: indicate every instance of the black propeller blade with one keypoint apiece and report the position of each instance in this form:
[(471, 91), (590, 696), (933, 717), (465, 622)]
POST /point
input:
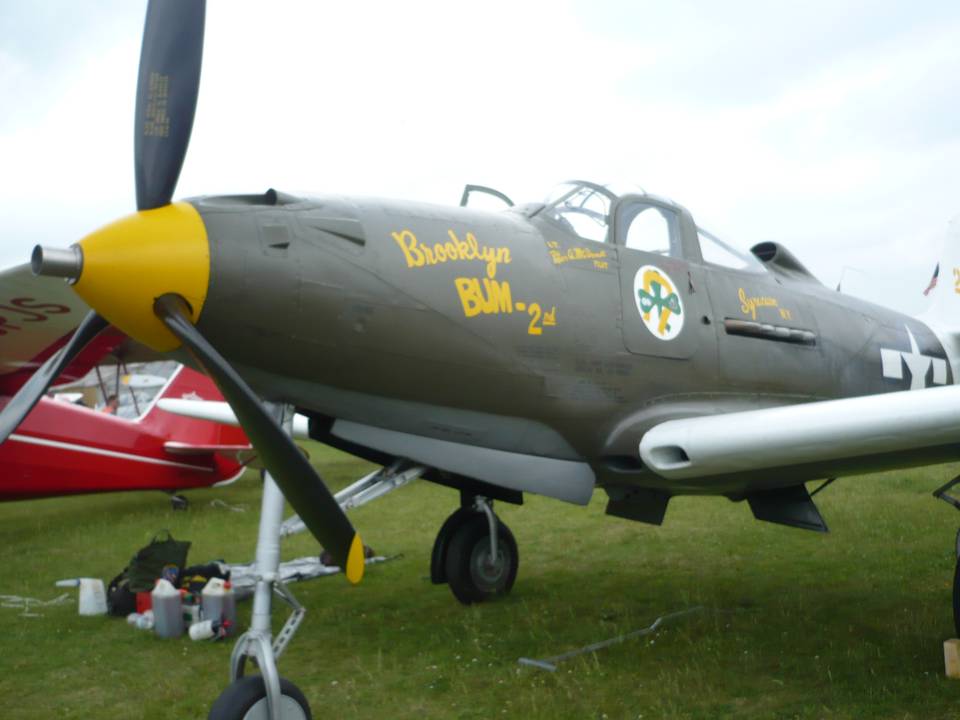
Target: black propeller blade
[(30, 393), (295, 476), (167, 88)]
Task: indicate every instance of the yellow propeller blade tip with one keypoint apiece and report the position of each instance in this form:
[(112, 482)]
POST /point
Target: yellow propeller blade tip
[(355, 560)]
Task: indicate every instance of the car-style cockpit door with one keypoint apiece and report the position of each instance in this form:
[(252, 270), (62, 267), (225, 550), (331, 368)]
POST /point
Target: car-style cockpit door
[(666, 308)]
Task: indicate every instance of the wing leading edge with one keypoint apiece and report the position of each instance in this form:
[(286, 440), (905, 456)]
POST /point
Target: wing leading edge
[(784, 445)]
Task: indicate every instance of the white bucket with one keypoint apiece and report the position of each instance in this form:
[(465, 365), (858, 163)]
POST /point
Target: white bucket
[(93, 597)]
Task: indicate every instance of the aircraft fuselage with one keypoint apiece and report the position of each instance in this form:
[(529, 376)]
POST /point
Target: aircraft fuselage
[(508, 331)]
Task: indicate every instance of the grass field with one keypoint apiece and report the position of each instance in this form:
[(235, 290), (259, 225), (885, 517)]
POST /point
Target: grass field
[(795, 625)]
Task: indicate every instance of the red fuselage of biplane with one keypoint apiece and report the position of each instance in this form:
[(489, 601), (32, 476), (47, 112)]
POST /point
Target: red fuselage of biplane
[(67, 449)]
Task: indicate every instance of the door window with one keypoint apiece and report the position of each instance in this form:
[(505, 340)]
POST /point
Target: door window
[(650, 229)]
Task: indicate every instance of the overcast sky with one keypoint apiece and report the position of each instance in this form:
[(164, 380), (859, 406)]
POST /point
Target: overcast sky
[(832, 127)]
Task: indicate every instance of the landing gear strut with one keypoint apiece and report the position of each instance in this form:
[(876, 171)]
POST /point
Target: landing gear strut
[(942, 493), (475, 553), (266, 695)]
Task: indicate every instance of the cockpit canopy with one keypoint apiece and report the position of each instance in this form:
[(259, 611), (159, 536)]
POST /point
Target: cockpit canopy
[(639, 221), (582, 207)]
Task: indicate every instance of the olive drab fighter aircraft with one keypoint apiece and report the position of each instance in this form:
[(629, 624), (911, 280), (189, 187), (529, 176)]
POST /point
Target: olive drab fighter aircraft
[(598, 339)]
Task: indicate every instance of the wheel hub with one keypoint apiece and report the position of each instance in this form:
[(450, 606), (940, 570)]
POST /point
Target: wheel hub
[(289, 708), (488, 574)]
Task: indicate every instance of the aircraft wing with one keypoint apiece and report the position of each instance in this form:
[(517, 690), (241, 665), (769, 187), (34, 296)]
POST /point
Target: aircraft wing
[(37, 317), (774, 446), (220, 412)]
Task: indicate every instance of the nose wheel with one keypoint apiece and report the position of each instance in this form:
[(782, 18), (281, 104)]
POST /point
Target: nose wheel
[(246, 699), (476, 554)]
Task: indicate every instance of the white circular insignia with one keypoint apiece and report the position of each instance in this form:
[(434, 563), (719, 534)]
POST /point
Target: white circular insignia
[(658, 302)]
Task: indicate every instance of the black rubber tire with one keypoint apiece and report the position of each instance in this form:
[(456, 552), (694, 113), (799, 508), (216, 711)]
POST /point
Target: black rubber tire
[(468, 546), (240, 698), (438, 556)]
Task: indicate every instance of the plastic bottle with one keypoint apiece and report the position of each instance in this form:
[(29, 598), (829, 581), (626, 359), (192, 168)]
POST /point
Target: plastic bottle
[(229, 609), (219, 604), (141, 621), (208, 630), (93, 597), (167, 610), (191, 612), (145, 621), (191, 607)]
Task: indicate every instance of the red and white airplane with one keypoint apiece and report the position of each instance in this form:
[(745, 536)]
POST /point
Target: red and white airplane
[(65, 449)]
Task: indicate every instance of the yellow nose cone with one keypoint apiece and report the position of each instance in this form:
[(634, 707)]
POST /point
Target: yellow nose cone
[(133, 261)]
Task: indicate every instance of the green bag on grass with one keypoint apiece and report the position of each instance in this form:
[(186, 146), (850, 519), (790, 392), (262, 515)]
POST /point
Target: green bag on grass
[(162, 557), (148, 564)]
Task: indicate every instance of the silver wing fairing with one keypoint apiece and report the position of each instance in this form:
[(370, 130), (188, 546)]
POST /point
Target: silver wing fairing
[(818, 439)]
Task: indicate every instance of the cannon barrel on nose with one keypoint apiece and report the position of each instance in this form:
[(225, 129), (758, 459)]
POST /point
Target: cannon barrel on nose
[(57, 262)]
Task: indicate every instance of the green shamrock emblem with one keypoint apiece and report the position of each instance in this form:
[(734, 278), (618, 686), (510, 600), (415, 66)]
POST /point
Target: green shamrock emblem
[(649, 301)]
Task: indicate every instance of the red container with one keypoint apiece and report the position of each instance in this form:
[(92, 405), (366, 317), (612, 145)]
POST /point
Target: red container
[(144, 602)]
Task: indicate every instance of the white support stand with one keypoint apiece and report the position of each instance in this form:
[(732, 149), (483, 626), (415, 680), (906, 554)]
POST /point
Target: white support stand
[(256, 642)]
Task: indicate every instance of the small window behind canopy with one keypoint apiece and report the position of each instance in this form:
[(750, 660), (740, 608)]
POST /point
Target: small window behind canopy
[(716, 252)]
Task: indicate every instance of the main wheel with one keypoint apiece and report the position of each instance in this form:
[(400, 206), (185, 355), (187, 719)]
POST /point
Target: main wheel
[(438, 557), (246, 699), (472, 574)]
